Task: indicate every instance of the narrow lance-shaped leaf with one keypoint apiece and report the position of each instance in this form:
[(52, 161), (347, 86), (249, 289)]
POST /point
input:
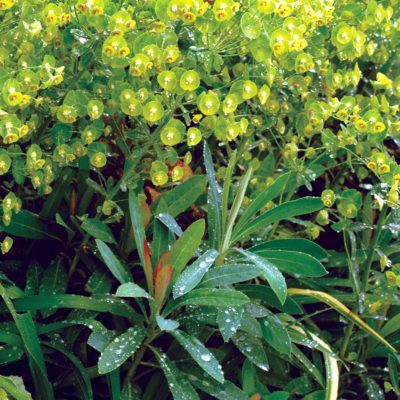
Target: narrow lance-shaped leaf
[(305, 205), (180, 387), (193, 274), (185, 247), (120, 349), (346, 312), (276, 188), (272, 274), (252, 348), (276, 335), (162, 278), (114, 265), (203, 357), (207, 297), (138, 233), (214, 201), (98, 229)]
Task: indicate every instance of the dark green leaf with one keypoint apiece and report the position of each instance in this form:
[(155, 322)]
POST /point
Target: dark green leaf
[(180, 387), (252, 348), (276, 334), (293, 262), (180, 198), (98, 229), (113, 264), (203, 357)]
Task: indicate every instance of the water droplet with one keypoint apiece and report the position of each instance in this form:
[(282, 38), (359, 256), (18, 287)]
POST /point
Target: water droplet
[(206, 357)]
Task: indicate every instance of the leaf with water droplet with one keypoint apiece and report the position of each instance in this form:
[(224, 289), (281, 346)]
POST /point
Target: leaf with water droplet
[(207, 297), (203, 357), (252, 348), (193, 274), (276, 335), (272, 274), (180, 387), (229, 319), (120, 349), (229, 274)]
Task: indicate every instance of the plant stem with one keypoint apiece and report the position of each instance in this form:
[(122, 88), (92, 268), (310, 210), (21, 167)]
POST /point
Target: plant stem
[(366, 271)]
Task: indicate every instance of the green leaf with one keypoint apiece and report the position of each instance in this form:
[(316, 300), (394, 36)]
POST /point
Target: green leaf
[(114, 265), (301, 245), (30, 226), (252, 348), (276, 334), (99, 282), (193, 274), (309, 366), (229, 274), (267, 295), (207, 297), (214, 202), (55, 279), (138, 233), (221, 391), (120, 349), (293, 262), (112, 305), (273, 276), (80, 374), (182, 196), (229, 320), (305, 205), (61, 133), (273, 191), (27, 330), (166, 324), (169, 221), (98, 229), (203, 357), (180, 387), (130, 289), (185, 247)]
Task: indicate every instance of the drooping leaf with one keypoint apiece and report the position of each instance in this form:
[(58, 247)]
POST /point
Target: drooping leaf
[(120, 349), (252, 348), (276, 335), (272, 274), (203, 357), (180, 387)]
